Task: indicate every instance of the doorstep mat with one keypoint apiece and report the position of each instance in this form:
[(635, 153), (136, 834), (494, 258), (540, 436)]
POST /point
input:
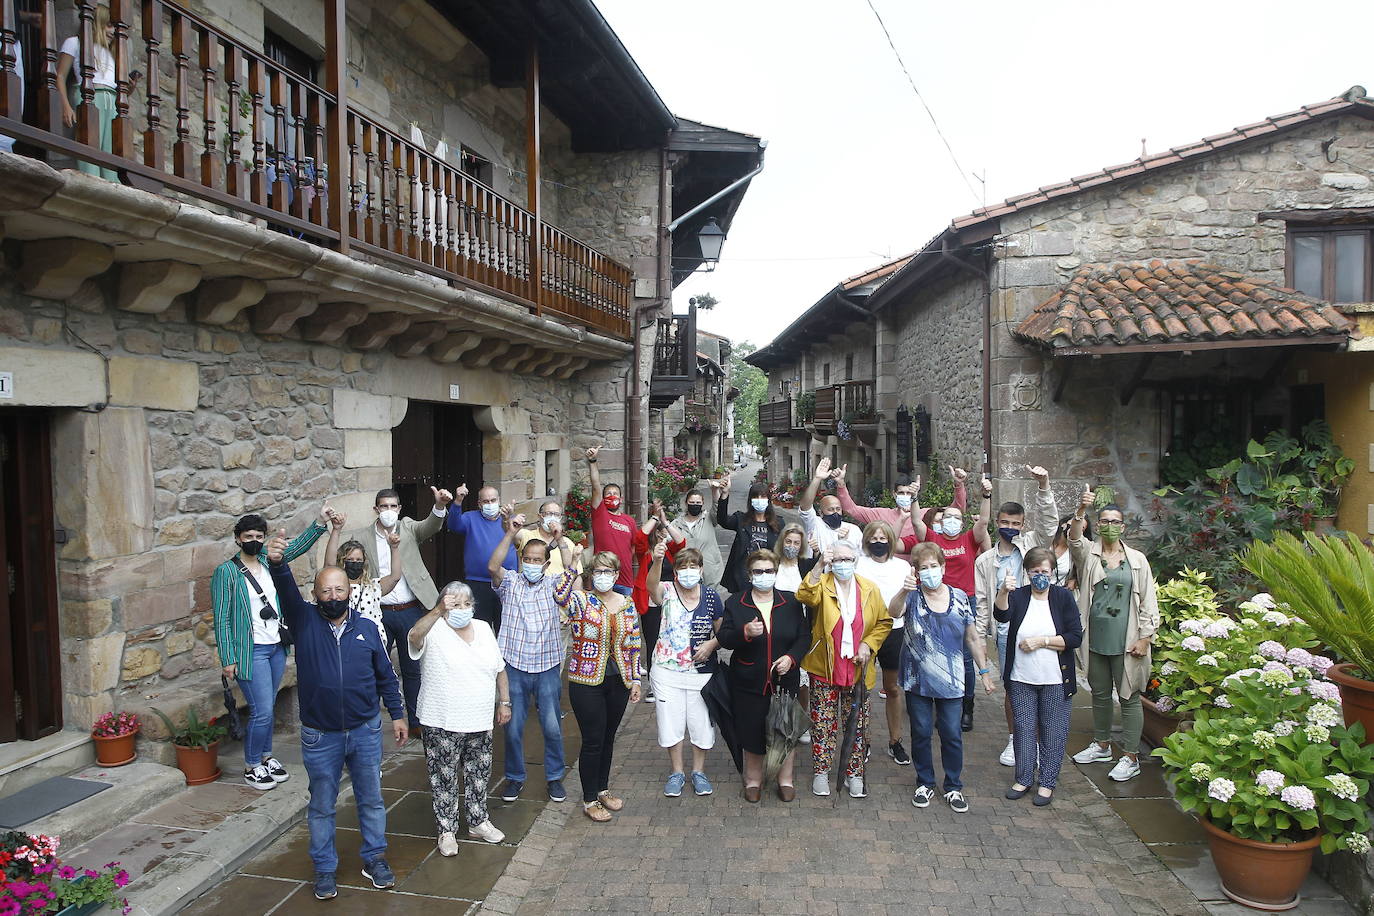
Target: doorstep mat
[(43, 798)]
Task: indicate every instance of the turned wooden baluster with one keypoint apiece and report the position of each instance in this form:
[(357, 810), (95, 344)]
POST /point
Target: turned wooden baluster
[(414, 161), (345, 182), (372, 198), (49, 93), (154, 155), (11, 80), (304, 181), (281, 187), (257, 89), (211, 161), (183, 154), (233, 171), (87, 116), (122, 130), (452, 225)]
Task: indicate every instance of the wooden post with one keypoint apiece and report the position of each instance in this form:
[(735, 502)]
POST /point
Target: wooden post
[(122, 131), (11, 92), (532, 173), (153, 153), (336, 81), (87, 117)]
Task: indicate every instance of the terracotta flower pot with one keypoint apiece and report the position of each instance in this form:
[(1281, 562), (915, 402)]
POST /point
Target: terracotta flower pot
[(1159, 725), (1263, 876), (115, 750), (198, 766), (1357, 698)]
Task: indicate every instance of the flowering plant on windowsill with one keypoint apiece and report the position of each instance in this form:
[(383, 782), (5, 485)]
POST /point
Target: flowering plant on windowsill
[(1276, 763), (34, 880)]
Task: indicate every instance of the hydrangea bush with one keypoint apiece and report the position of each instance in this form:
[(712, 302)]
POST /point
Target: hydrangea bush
[(1275, 763)]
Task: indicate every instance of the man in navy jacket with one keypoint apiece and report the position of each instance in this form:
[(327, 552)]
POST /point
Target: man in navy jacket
[(342, 670)]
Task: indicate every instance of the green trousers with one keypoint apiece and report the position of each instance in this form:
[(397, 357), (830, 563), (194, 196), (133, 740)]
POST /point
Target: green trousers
[(105, 115), (1105, 674)]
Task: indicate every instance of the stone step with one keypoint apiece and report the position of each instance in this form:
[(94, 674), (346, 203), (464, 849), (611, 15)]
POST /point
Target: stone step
[(24, 763), (135, 788)]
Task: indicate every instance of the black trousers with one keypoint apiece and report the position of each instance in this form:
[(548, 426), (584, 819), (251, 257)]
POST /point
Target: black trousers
[(599, 710), (486, 606), (649, 625)]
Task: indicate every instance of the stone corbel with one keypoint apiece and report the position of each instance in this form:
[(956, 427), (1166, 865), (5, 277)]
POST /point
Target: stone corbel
[(418, 338), (536, 358), (454, 346), (148, 287), (512, 358), (56, 268), (278, 312), (491, 349), (377, 329), (332, 321), (220, 301), (546, 369), (567, 372)]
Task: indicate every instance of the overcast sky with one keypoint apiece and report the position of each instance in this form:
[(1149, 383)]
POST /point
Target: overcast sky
[(1027, 94)]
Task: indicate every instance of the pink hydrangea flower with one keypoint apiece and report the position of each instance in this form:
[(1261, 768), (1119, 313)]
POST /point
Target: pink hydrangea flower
[(1271, 649), (1299, 656), (1324, 690), (1321, 664), (1165, 704)]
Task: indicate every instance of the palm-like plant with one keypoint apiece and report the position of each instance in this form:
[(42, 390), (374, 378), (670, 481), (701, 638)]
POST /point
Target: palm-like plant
[(1329, 582)]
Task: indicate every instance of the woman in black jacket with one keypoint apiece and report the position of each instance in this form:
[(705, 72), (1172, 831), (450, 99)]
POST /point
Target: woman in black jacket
[(1045, 628), (755, 529), (769, 633)]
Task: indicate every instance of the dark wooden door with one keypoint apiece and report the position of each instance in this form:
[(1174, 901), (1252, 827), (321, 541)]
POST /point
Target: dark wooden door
[(31, 682), (437, 445)]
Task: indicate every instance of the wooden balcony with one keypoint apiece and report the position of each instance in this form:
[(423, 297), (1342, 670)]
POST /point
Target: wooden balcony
[(226, 125), (852, 402), (675, 359), (775, 419)]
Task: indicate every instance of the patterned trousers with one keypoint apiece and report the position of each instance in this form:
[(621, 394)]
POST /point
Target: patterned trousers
[(445, 754), (829, 707), (1040, 722)]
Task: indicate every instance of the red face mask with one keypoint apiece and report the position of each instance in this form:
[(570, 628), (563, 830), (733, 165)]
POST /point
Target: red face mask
[(612, 502)]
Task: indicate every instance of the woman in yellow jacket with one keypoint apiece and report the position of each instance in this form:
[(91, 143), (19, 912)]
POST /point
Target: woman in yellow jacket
[(849, 621)]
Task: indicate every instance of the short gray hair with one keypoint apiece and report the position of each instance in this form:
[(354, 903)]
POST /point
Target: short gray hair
[(549, 502), (847, 545), (457, 589)]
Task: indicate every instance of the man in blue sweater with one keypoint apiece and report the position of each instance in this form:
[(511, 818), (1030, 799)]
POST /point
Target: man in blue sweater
[(482, 531), (341, 670)]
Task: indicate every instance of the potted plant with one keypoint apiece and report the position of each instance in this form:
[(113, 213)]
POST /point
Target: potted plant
[(1329, 581), (1328, 470), (114, 734), (197, 746), (806, 408), (34, 880), (1272, 774)]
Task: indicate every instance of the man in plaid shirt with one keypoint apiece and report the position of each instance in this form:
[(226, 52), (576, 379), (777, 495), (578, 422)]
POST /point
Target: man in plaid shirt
[(531, 642)]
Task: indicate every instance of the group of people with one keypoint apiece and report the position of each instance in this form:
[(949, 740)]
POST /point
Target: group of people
[(809, 612)]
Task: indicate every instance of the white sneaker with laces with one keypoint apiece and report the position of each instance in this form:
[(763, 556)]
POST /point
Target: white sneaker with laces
[(1008, 758), (1093, 753), (486, 831), (820, 784), (805, 737), (1125, 769), (956, 801), (856, 787), (448, 844), (276, 770)]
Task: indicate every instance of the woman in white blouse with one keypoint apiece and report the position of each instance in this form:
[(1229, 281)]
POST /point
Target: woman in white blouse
[(461, 672), (102, 81), (878, 565), (365, 590)]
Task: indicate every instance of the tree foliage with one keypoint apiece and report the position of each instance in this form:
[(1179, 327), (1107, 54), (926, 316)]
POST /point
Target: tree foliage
[(753, 389)]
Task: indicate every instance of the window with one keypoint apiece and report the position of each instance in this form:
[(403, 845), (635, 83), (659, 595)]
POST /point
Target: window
[(849, 368), (287, 56), (1332, 263), (474, 165), (825, 374), (551, 473)]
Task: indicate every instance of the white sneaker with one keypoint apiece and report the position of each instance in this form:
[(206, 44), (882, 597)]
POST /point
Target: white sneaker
[(1093, 753), (448, 844), (1125, 769), (1008, 758), (805, 737), (820, 784), (486, 831), (856, 787)]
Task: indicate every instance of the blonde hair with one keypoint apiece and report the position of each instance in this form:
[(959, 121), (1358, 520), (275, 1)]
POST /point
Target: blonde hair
[(782, 536), (102, 24), (926, 551), (885, 528), (348, 547)]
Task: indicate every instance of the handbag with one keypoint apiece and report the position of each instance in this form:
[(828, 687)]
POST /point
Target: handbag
[(267, 612)]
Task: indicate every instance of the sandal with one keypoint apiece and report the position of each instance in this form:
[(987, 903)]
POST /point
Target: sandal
[(609, 801), (596, 812)]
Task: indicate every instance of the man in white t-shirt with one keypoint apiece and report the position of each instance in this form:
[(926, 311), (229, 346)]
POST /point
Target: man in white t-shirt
[(829, 528)]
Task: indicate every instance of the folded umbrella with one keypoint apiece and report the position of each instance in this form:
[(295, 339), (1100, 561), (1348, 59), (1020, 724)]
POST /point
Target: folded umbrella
[(230, 719), (721, 708), (786, 722), (857, 698)]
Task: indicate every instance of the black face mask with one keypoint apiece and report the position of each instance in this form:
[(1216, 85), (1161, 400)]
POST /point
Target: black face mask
[(832, 519), (333, 609), (353, 569), (879, 548), (694, 509), (251, 548)]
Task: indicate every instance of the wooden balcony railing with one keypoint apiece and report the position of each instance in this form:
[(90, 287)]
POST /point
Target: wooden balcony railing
[(852, 402), (775, 419), (244, 133)]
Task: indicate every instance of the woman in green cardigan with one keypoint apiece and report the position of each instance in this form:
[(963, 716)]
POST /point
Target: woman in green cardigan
[(248, 634)]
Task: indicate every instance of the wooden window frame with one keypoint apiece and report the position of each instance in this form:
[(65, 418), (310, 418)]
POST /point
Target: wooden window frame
[(1328, 235)]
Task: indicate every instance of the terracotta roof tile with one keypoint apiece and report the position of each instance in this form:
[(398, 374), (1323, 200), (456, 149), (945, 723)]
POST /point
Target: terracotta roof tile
[(1175, 302)]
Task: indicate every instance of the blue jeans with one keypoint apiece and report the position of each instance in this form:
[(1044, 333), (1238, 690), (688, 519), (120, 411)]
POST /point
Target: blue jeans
[(622, 590), (397, 625), (1002, 630), (928, 715), (545, 690), (261, 693), (325, 755)]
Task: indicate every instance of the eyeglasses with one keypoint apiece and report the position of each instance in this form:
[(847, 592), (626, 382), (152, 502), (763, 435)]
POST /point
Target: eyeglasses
[(764, 571)]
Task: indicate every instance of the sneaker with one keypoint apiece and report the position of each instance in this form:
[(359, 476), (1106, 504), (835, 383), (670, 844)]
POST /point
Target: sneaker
[(325, 888), (380, 874), (856, 787), (898, 754), (486, 831), (1125, 769), (448, 845), (956, 802), (1008, 758), (556, 791), (673, 787), (820, 784), (512, 790), (276, 770), (259, 778), (805, 737), (700, 784), (922, 796), (1093, 753)]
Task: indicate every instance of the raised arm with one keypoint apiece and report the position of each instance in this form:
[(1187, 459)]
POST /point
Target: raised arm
[(808, 497), (335, 521), (723, 517), (393, 544), (302, 542), (594, 475), (654, 583), (980, 530), (434, 522), (293, 606), (421, 629), (896, 608), (1044, 511), (498, 556), (1001, 607), (453, 519), (1078, 547)]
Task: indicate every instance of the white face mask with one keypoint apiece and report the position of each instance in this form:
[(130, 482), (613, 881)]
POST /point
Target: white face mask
[(759, 505), (491, 509), (952, 527), (602, 582), (903, 501), (460, 616), (389, 517), (550, 522)]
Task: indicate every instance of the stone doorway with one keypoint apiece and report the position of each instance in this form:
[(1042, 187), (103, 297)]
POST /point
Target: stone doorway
[(30, 668)]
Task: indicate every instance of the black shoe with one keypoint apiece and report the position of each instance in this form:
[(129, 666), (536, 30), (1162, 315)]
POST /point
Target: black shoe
[(966, 721), (898, 754), (512, 790)]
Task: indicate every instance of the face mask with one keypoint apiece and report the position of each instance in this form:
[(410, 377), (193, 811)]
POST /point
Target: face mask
[(251, 548), (763, 582), (791, 552), (353, 569), (1110, 531), (693, 509), (389, 517), (550, 522), (903, 501), (843, 569), (460, 617), (952, 527), (932, 578), (333, 609), (689, 578), (612, 503), (532, 572), (491, 510), (1040, 581), (1008, 534), (759, 505), (879, 549), (832, 519), (602, 582)]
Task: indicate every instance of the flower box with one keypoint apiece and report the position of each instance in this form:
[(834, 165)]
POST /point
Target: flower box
[(1159, 725)]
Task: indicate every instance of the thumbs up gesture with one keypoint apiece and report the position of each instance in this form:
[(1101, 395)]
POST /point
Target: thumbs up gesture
[(276, 546), (1086, 502), (441, 497)]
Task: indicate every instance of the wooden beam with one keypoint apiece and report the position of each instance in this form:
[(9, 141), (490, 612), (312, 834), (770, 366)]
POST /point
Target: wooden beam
[(534, 172), (1201, 346), (1319, 217), (336, 81), (1138, 376)]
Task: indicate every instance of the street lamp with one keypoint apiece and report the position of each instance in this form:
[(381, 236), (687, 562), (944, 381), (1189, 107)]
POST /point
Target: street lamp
[(711, 237)]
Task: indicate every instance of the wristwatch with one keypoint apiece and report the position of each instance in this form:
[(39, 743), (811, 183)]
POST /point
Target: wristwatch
[(505, 702)]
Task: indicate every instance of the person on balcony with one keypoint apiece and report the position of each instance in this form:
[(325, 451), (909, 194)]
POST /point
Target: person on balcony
[(612, 529), (756, 528), (835, 528), (481, 531), (103, 80)]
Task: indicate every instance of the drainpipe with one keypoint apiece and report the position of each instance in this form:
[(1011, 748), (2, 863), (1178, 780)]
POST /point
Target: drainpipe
[(763, 144), (982, 275)]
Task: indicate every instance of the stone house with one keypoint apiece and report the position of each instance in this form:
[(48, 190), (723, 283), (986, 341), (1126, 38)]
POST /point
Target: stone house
[(1124, 326), (349, 247)]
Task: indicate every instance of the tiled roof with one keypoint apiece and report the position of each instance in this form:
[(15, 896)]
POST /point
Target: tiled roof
[(876, 273), (1175, 302), (1353, 101)]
